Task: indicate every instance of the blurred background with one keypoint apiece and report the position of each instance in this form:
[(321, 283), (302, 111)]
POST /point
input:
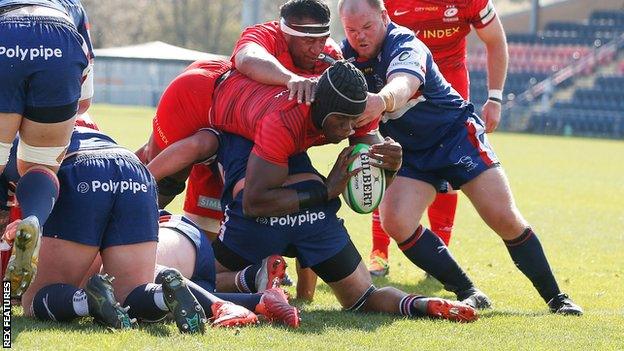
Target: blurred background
[(566, 71)]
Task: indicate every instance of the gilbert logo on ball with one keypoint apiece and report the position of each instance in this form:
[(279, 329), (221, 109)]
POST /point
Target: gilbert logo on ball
[(364, 190)]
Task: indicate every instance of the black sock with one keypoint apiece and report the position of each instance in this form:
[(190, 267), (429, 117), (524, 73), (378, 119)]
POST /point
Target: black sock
[(249, 301), (143, 304), (60, 302), (204, 297), (528, 255), (427, 251), (246, 279)]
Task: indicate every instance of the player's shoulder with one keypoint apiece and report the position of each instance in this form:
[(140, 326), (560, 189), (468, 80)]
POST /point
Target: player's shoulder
[(401, 38)]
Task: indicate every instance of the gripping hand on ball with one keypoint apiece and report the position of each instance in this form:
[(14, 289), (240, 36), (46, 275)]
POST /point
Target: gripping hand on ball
[(339, 175), (389, 155)]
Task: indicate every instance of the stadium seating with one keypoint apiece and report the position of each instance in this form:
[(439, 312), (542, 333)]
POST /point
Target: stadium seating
[(597, 111)]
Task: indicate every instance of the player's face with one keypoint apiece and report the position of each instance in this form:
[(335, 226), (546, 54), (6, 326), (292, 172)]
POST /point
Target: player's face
[(365, 28), (338, 127), (305, 50)]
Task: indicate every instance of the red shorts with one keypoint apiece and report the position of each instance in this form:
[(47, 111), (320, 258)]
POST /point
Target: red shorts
[(458, 78), (183, 109), (203, 193)]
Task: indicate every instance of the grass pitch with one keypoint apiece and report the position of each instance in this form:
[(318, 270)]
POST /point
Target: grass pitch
[(570, 189)]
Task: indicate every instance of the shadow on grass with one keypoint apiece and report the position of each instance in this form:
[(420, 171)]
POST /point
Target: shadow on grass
[(425, 286), (20, 323)]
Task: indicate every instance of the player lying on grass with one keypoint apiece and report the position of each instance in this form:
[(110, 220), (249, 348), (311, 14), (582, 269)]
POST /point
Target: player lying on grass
[(317, 238), (184, 246), (443, 140), (106, 186)]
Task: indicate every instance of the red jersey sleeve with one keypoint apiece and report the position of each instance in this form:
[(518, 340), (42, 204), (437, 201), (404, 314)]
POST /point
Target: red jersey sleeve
[(265, 35), (274, 141), (482, 12)]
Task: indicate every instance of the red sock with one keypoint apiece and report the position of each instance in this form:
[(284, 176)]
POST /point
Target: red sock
[(381, 240), (442, 215)]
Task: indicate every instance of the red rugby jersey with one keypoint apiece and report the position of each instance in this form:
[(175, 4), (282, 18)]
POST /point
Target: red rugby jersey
[(270, 36), (442, 25), (262, 113)]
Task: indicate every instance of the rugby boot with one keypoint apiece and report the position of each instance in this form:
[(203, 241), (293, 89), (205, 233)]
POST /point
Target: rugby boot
[(274, 306), (271, 273), (103, 306), (378, 266), (22, 266), (189, 315), (474, 298), (456, 311), (562, 304), (228, 314)]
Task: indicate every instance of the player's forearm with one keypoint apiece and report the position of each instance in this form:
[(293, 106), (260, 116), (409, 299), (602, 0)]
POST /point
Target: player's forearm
[(270, 202), (178, 156), (398, 91), (497, 61), (263, 68)]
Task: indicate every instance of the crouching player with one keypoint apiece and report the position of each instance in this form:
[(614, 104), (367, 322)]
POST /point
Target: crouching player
[(313, 233), (184, 246), (106, 186)]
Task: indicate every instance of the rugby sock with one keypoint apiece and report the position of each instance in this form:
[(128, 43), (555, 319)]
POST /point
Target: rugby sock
[(246, 279), (528, 255), (249, 301), (60, 302), (413, 306), (381, 240), (442, 215), (146, 302), (427, 251), (37, 191)]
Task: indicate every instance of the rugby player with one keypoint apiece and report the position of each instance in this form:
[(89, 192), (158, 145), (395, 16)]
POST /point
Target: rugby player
[(283, 52), (443, 26), (306, 226), (106, 186), (443, 140), (45, 54)]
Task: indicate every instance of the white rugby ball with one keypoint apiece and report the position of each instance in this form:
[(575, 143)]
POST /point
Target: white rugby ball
[(366, 189)]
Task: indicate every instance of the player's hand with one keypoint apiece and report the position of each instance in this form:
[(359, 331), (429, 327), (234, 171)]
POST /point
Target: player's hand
[(339, 175), (374, 108), (491, 113), (302, 88), (389, 154)]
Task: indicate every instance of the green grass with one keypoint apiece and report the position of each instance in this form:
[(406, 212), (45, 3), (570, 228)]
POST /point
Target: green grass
[(570, 189)]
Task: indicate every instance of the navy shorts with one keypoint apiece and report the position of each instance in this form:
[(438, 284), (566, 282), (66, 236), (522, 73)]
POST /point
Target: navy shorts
[(204, 273), (460, 156), (107, 198), (42, 60), (313, 235)]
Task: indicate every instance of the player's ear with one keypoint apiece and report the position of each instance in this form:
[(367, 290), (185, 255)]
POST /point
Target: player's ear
[(384, 17)]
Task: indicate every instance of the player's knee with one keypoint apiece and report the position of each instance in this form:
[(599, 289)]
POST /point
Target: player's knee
[(359, 303), (397, 226)]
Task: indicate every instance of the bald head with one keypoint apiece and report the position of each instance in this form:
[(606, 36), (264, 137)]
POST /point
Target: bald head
[(354, 5)]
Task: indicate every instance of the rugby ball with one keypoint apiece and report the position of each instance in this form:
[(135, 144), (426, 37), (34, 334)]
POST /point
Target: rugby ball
[(364, 190)]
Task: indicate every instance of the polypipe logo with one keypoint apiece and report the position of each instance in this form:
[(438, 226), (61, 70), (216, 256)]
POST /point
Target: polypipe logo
[(30, 53), (124, 186)]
